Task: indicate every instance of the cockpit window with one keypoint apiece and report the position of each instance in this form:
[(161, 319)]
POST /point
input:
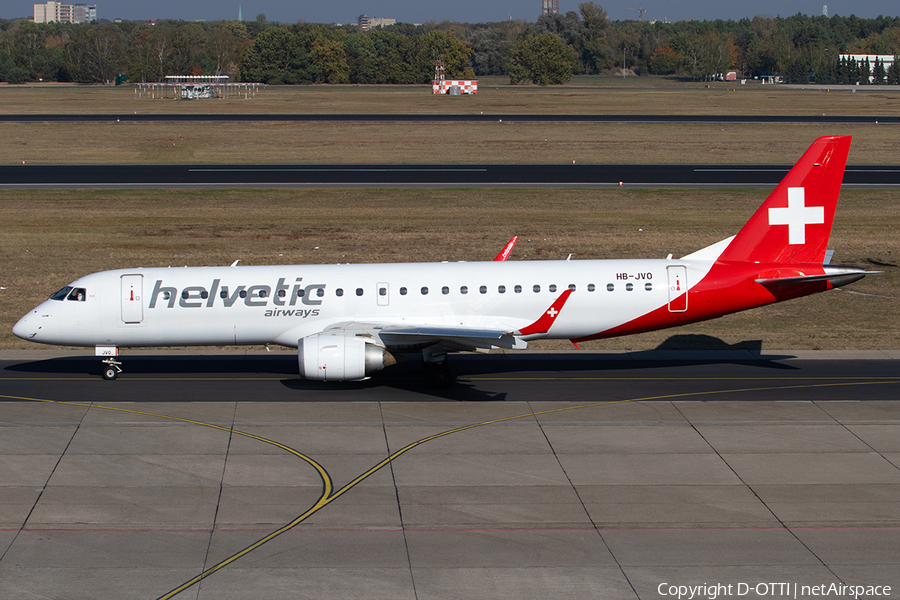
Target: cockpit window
[(61, 294), (77, 295)]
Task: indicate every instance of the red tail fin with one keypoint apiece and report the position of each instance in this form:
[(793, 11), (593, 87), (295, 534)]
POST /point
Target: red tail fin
[(794, 223)]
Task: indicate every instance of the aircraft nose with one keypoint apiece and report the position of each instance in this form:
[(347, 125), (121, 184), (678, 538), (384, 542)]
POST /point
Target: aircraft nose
[(27, 326)]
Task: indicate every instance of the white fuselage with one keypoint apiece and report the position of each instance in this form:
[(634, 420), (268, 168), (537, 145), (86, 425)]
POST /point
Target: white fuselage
[(282, 304)]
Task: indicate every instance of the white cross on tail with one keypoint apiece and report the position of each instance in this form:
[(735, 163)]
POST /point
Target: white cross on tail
[(797, 216)]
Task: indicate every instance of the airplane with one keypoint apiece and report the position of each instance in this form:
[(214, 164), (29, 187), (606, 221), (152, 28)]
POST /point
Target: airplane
[(348, 321)]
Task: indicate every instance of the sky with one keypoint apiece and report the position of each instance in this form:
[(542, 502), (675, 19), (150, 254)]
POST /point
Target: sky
[(472, 11)]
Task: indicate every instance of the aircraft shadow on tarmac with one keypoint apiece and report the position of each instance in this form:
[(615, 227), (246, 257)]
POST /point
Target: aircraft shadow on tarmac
[(409, 375)]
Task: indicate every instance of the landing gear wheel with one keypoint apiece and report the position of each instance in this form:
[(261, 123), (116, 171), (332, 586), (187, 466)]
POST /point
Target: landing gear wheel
[(441, 376), (112, 369)]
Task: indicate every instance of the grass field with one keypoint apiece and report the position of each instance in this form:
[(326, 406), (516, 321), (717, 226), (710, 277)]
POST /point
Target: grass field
[(500, 142), (599, 95), (435, 143), (49, 238)]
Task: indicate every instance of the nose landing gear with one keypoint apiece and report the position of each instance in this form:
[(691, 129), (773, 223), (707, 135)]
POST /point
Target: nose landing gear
[(113, 367)]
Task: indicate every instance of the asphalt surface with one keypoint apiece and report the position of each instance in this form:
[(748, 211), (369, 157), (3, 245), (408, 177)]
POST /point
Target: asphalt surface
[(375, 175), (519, 376), (544, 475), (448, 118)]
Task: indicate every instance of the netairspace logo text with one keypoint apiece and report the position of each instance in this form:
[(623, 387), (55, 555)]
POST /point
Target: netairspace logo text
[(772, 590)]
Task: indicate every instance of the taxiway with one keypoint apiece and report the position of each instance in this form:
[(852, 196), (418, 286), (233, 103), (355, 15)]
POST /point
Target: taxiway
[(543, 475)]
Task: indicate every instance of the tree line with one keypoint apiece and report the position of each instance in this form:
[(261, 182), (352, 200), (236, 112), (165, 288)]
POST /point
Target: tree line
[(549, 50)]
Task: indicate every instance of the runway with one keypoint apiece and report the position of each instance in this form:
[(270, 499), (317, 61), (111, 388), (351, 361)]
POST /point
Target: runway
[(576, 475), (424, 176)]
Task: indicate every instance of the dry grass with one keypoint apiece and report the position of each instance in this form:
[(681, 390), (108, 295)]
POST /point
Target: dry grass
[(599, 95), (440, 143), (497, 142), (49, 238)]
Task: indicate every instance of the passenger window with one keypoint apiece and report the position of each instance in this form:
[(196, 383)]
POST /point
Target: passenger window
[(424, 291), (501, 289), (281, 293), (518, 289), (223, 293), (263, 293), (319, 292), (300, 292), (610, 287), (572, 286), (204, 294), (629, 287), (61, 294), (382, 291), (445, 290), (359, 291), (403, 291), (243, 294), (536, 289), (552, 287), (483, 289), (77, 295), (591, 287), (464, 289), (339, 292), (648, 286), (167, 295)]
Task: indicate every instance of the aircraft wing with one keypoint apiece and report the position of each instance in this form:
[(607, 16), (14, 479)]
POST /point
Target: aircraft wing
[(461, 337), (401, 337)]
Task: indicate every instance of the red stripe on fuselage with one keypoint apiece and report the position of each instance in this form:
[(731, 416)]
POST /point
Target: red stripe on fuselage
[(727, 288)]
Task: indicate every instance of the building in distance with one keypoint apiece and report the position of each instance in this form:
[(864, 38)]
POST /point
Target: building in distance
[(367, 23), (57, 12)]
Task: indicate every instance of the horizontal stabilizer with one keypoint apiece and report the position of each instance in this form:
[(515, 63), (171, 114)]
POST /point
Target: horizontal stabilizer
[(837, 275)]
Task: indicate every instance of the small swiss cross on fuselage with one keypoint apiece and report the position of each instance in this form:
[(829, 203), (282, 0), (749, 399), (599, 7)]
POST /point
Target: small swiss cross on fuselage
[(797, 216)]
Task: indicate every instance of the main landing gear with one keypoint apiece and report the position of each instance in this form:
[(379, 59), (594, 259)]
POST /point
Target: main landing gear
[(436, 367), (441, 375)]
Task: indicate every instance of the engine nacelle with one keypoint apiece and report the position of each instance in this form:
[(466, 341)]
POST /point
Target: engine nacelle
[(327, 357)]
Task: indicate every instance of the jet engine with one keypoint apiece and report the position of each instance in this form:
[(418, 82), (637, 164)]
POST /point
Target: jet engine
[(329, 357)]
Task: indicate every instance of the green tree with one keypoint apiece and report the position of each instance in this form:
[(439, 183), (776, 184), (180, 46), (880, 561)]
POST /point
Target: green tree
[(362, 60), (542, 59), (140, 56), (329, 61), (705, 53), (455, 52), (96, 53), (878, 72), (595, 18), (276, 56), (664, 61)]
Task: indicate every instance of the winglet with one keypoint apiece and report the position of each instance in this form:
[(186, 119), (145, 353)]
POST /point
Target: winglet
[(546, 320), (507, 249)]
